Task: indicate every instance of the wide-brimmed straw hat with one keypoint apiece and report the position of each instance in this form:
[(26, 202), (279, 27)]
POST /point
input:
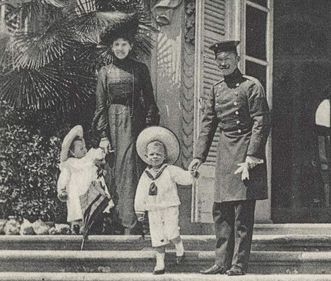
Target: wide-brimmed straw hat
[(157, 133), (75, 132)]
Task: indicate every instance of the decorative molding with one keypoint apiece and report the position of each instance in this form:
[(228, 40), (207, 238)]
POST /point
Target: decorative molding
[(187, 103), (189, 33)]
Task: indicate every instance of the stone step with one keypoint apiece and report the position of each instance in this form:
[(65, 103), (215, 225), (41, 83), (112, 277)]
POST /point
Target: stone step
[(261, 262), (290, 242), (293, 229), (50, 276)]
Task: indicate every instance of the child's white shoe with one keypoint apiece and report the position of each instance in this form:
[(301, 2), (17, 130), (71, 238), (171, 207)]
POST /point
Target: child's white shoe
[(160, 266), (158, 271)]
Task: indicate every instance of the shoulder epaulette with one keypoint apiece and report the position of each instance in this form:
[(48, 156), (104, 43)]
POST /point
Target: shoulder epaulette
[(253, 79)]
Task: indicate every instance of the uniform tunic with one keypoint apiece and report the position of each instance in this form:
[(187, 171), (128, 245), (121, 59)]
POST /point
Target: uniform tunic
[(236, 106), (124, 97)]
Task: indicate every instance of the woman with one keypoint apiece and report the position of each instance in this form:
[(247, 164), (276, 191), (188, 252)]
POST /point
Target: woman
[(125, 105)]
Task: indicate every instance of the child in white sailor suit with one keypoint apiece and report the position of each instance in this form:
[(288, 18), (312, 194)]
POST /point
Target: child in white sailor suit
[(157, 190), (78, 171)]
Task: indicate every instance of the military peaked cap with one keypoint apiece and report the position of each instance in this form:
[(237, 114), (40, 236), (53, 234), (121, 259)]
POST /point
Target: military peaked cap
[(225, 46)]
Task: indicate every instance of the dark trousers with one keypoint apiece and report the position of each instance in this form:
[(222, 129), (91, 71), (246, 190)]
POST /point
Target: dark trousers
[(234, 223)]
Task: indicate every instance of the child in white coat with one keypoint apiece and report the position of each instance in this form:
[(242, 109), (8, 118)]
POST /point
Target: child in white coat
[(157, 191), (78, 170)]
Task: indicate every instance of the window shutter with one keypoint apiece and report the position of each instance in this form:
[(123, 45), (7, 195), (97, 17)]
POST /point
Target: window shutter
[(212, 27)]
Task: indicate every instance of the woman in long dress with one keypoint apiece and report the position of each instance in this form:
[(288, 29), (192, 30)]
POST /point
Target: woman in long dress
[(125, 105)]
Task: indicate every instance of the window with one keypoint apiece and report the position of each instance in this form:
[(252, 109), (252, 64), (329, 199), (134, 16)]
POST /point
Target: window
[(256, 33), (263, 3), (256, 37), (217, 20), (212, 26)]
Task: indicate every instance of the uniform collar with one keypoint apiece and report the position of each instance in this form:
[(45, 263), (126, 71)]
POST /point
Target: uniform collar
[(234, 78)]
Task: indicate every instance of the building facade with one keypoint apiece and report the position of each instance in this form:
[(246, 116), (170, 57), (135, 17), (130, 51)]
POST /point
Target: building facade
[(286, 45)]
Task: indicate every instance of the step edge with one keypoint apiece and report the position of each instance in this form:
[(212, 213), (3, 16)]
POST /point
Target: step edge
[(34, 255), (68, 276), (130, 238)]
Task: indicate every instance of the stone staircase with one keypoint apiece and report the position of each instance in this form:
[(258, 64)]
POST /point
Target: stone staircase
[(279, 252)]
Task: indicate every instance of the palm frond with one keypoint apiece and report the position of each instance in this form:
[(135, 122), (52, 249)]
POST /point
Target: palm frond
[(37, 50), (55, 68), (48, 87), (57, 3), (5, 53), (87, 27), (126, 6), (90, 57)]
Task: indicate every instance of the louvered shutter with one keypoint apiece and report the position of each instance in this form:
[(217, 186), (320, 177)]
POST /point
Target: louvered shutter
[(213, 18), (214, 26)]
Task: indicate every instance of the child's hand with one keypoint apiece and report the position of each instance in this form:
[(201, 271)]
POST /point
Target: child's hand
[(143, 219), (140, 216), (194, 166), (63, 196), (105, 145), (195, 173)]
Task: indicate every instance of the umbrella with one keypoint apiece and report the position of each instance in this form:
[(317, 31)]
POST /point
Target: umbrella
[(93, 202)]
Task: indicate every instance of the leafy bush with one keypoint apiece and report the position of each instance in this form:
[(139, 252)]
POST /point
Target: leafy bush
[(28, 166)]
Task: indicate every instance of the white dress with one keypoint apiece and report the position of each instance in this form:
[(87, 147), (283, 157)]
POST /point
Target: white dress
[(76, 176)]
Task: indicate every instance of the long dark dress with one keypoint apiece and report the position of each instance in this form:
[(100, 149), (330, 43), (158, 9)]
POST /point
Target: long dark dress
[(124, 98)]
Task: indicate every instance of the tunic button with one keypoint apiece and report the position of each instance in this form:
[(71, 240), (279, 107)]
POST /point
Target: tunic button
[(239, 131), (237, 85), (217, 103), (237, 113), (235, 103), (238, 122)]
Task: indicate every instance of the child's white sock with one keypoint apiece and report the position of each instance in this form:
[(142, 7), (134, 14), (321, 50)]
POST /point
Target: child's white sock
[(179, 248), (159, 261)]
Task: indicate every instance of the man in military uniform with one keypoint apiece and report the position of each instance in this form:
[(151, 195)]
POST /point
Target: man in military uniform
[(237, 105)]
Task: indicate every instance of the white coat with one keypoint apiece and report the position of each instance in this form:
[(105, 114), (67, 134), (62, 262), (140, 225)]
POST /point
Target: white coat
[(75, 178)]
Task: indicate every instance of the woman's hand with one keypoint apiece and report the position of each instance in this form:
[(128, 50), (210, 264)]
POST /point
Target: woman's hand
[(105, 145), (63, 196)]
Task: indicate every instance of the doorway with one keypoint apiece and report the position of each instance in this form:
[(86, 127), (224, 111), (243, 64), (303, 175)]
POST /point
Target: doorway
[(301, 146)]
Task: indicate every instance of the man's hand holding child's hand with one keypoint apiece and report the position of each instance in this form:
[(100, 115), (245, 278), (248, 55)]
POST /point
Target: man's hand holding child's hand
[(194, 166)]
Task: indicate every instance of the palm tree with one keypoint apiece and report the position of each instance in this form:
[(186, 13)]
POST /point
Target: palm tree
[(52, 59)]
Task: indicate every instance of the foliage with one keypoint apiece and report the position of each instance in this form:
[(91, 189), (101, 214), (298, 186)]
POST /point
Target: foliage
[(28, 169), (47, 84), (51, 62)]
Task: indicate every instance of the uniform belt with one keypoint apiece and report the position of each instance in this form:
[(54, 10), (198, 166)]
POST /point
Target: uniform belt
[(236, 128)]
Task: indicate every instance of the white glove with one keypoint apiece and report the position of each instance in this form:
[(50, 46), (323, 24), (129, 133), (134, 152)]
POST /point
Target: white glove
[(253, 161), (250, 163), (243, 169)]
